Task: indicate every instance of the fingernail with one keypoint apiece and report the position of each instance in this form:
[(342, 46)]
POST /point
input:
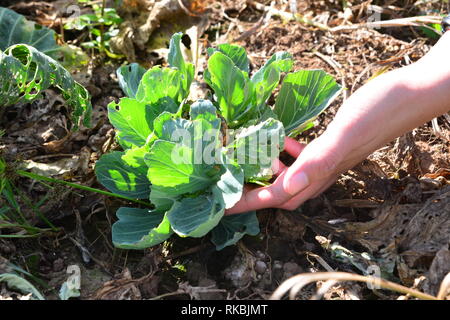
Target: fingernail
[(297, 183)]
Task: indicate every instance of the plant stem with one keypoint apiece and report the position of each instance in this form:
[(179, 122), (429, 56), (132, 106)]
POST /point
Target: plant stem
[(78, 186)]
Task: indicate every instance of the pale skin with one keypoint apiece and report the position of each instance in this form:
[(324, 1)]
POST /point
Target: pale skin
[(380, 111)]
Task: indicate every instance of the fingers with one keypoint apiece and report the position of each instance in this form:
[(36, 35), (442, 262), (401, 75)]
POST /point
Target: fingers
[(310, 174), (293, 147), (278, 167), (310, 193), (319, 160), (266, 197)]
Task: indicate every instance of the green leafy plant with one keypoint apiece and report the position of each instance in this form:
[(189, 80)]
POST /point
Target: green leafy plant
[(192, 158), (102, 25), (15, 29), (28, 67)]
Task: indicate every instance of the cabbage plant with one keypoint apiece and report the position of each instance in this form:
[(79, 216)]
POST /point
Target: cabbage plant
[(191, 159)]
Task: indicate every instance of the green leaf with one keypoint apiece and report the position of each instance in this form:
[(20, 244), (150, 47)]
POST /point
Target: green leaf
[(432, 30), (18, 283), (204, 109), (281, 60), (233, 227), (81, 22), (176, 60), (232, 87), (231, 183), (236, 53), (303, 96), (124, 173), (10, 90), (169, 127), (268, 77), (161, 199), (15, 29), (201, 134), (132, 119), (255, 147), (195, 217), (25, 72), (172, 167), (129, 77), (139, 228), (160, 84)]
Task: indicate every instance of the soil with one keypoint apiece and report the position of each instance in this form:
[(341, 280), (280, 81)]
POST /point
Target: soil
[(376, 208)]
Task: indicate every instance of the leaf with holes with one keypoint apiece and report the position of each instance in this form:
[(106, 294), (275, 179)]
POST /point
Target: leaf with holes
[(129, 77), (25, 72), (132, 119)]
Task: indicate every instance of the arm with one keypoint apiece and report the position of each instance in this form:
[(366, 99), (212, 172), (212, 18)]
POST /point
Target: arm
[(383, 109)]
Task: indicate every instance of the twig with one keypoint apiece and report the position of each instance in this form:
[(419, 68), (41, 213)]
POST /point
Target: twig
[(322, 262), (47, 156), (262, 23), (437, 130), (175, 293), (402, 22), (296, 283), (250, 31)]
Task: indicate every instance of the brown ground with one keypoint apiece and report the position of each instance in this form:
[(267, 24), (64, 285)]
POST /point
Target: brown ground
[(395, 205)]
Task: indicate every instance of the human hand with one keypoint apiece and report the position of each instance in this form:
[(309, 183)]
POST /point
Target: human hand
[(316, 168), (383, 109)]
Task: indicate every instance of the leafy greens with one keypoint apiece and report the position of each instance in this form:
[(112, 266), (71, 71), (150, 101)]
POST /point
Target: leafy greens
[(192, 158)]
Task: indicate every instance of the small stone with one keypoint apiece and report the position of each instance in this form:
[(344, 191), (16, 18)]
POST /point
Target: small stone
[(260, 255), (291, 269), (277, 264), (260, 267), (277, 270)]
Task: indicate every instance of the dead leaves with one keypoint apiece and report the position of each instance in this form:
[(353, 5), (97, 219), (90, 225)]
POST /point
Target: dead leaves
[(122, 288), (151, 29), (416, 236), (199, 6), (438, 270)]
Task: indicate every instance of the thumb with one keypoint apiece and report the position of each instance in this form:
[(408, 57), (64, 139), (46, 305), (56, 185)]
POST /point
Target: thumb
[(318, 161)]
